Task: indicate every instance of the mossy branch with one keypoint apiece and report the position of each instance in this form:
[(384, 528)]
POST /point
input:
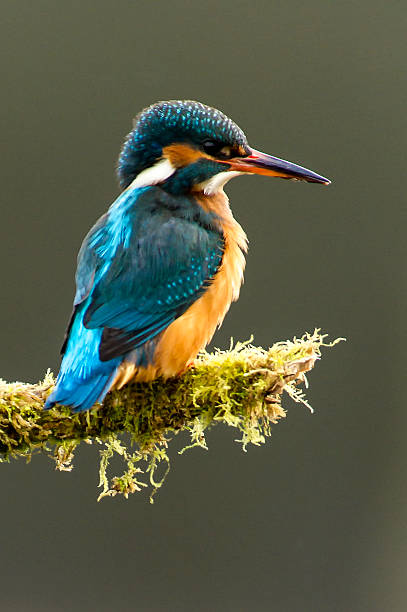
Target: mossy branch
[(241, 387)]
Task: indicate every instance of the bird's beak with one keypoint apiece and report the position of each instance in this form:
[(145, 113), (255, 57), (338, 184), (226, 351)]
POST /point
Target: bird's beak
[(267, 165)]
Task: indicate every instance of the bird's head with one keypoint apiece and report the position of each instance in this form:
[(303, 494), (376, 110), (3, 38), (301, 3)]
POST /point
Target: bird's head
[(186, 146)]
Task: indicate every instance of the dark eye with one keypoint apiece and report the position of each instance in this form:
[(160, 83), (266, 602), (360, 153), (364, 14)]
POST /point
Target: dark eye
[(211, 147), (217, 149)]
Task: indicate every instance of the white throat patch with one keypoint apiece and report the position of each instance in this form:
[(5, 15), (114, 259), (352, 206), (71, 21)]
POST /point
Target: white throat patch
[(216, 183), (158, 173)]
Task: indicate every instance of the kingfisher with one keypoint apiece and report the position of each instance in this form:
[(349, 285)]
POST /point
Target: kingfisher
[(158, 272)]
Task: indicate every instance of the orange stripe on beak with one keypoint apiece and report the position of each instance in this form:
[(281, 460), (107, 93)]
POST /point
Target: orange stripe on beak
[(267, 165)]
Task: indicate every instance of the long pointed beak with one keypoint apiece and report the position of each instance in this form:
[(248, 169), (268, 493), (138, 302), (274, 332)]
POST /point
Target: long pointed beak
[(267, 165)]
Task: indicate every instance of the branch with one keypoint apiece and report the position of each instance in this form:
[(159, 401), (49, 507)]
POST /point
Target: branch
[(241, 387)]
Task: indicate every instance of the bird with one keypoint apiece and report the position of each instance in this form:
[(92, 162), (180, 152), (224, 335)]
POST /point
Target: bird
[(159, 270)]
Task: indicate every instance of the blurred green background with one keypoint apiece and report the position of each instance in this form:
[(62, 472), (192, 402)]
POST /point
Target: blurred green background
[(314, 520)]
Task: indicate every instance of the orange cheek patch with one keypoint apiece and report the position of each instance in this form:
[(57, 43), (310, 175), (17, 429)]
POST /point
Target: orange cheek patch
[(181, 155)]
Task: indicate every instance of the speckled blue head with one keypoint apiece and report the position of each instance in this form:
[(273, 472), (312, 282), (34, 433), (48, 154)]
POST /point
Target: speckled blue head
[(175, 121)]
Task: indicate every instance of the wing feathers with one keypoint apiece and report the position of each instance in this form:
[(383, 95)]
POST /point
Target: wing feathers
[(142, 267)]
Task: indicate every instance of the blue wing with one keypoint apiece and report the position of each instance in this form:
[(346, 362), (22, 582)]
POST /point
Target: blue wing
[(140, 267)]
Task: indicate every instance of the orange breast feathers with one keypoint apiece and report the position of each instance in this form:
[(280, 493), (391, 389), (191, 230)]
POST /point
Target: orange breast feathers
[(180, 343)]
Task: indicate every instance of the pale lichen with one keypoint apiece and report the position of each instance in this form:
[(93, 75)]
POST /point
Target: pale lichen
[(241, 387)]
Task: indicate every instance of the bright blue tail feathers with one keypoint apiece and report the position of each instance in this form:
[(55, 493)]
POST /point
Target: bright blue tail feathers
[(80, 395), (83, 379)]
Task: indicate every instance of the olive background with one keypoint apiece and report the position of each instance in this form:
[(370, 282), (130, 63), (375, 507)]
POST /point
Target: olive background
[(315, 520)]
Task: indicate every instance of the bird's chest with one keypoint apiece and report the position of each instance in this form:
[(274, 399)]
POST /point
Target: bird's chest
[(178, 345), (191, 332)]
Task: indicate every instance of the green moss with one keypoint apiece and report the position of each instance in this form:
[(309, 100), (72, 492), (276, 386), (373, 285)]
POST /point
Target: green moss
[(241, 387)]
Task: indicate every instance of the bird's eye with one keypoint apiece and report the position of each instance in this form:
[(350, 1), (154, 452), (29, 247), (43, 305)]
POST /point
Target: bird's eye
[(211, 148), (217, 149)]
